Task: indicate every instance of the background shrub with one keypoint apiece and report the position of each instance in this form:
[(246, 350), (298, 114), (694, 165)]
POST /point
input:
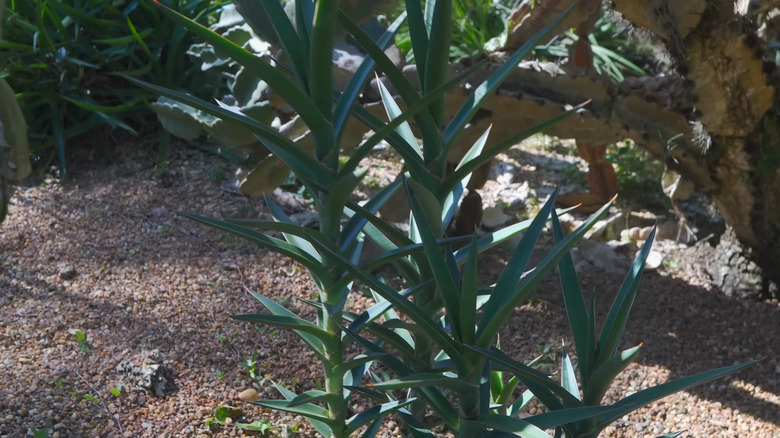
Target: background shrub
[(63, 58)]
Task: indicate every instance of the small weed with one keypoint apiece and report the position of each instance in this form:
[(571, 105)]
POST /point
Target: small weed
[(293, 271), (81, 340), (222, 416), (117, 390), (219, 373), (261, 426), (672, 264), (291, 431), (225, 416), (251, 365), (216, 173), (639, 175), (40, 433)]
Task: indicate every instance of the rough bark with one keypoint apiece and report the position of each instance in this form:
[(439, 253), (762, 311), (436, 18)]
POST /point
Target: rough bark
[(714, 119)]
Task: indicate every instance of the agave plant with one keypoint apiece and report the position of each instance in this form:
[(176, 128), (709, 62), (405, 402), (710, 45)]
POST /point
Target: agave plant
[(442, 348), (14, 151)]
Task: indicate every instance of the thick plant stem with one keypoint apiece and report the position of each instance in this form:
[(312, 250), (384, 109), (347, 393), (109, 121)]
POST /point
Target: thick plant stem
[(334, 384)]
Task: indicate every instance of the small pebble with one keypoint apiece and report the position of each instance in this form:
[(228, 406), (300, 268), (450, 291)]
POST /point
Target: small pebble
[(248, 395), (67, 272)]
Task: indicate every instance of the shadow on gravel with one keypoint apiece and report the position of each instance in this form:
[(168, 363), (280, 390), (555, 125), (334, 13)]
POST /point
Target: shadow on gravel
[(686, 330)]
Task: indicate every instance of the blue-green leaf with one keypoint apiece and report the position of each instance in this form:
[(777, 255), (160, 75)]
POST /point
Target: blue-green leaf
[(615, 323), (649, 395), (579, 320), (375, 412), (603, 375), (568, 379)]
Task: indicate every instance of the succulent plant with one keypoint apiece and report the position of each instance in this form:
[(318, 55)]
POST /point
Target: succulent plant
[(14, 150)]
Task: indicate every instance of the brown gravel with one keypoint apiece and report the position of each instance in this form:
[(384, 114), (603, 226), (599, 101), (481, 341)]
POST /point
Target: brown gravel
[(108, 256)]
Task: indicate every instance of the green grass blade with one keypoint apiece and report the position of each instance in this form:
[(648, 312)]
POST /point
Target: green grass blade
[(580, 321), (486, 89), (615, 323), (114, 122), (57, 22), (140, 40), (125, 40)]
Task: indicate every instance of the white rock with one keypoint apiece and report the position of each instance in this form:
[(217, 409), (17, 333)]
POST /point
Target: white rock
[(654, 260), (494, 217)]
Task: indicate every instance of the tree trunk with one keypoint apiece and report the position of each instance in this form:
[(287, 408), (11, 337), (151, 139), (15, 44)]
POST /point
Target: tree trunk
[(714, 120)]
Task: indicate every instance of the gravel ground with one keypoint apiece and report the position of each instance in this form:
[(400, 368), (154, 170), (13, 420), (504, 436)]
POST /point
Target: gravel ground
[(108, 257)]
